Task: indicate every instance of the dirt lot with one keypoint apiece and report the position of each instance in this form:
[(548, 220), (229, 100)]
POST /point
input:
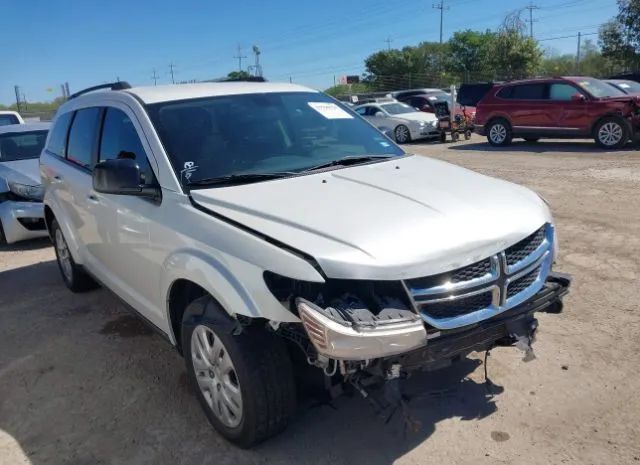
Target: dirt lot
[(82, 382)]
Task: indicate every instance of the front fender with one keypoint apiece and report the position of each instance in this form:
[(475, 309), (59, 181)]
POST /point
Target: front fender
[(219, 277)]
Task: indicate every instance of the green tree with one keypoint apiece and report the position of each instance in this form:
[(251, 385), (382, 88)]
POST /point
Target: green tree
[(514, 55), (345, 89), (238, 75), (470, 53)]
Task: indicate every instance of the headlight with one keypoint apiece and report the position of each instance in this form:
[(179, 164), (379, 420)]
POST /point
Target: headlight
[(422, 124), (26, 191)]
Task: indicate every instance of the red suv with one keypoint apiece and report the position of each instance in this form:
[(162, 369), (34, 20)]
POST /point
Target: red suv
[(563, 107)]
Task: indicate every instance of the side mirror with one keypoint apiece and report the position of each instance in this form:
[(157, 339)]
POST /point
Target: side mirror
[(578, 98), (122, 176), (378, 114)]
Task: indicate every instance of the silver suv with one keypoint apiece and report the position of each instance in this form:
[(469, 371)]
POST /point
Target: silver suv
[(263, 227)]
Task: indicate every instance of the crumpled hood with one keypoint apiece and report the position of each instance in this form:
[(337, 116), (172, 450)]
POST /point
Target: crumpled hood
[(403, 218), (22, 171)]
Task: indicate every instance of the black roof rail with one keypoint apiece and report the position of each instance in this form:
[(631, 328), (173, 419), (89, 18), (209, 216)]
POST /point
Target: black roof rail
[(119, 85)]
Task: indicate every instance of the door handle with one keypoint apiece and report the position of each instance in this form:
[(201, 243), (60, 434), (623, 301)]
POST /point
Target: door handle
[(93, 198), (57, 178)]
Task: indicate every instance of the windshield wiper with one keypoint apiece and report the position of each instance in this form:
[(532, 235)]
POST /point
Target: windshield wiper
[(234, 179), (350, 160)]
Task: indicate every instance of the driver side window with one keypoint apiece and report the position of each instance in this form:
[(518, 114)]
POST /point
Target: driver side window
[(120, 140)]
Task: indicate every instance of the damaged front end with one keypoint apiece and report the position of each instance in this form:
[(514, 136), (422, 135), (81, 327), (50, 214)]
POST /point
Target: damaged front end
[(366, 332)]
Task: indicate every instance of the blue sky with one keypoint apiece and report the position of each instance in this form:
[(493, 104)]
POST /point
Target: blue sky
[(85, 42)]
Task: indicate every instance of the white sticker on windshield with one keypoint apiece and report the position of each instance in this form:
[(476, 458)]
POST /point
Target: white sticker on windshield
[(329, 110)]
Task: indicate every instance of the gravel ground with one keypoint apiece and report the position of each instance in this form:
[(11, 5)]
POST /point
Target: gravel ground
[(83, 382)]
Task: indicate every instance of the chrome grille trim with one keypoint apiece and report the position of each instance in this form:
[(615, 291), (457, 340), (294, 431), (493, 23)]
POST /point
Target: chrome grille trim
[(497, 282)]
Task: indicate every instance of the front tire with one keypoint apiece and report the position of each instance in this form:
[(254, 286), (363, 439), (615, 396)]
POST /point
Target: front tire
[(499, 133), (611, 133), (73, 275), (243, 382), (402, 134), (3, 239)]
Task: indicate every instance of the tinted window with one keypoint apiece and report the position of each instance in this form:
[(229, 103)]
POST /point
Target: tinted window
[(120, 140), (82, 136), (21, 145), (261, 134), (528, 92), (505, 92), (562, 92), (361, 111), (5, 120), (58, 137)]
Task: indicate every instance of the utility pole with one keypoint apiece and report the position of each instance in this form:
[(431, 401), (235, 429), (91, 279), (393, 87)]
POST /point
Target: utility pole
[(531, 7), (239, 56), (155, 77), (388, 41), (578, 53), (171, 66), (257, 68), (440, 6)]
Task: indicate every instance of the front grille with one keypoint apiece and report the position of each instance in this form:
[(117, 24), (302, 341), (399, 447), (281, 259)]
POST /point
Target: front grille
[(467, 273), (520, 284), (478, 291), (458, 306), (518, 252)]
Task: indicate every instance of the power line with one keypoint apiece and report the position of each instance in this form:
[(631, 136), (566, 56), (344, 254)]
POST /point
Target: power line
[(155, 77), (239, 56), (171, 71), (440, 6), (388, 40), (531, 7), (568, 37)]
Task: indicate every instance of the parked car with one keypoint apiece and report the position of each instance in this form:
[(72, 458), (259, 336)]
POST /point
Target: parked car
[(625, 85), (408, 123), (263, 229), (400, 94), (10, 117), (564, 107), (21, 209)]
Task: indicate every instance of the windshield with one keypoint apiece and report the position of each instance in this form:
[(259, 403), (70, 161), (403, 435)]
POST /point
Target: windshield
[(440, 97), (261, 134), (600, 89), (397, 108), (629, 87), (7, 119), (21, 145)]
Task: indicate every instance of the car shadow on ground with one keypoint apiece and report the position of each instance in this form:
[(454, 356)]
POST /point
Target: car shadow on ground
[(541, 146), (33, 244), (83, 381)]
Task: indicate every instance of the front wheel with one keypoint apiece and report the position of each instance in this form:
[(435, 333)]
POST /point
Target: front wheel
[(611, 133), (243, 382), (402, 134), (499, 133)]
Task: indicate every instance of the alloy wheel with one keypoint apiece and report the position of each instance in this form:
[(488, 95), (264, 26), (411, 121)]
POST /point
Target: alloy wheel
[(610, 133), (216, 376), (402, 134), (498, 133), (64, 257)]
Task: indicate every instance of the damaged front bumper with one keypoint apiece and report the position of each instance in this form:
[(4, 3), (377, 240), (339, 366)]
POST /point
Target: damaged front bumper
[(414, 345)]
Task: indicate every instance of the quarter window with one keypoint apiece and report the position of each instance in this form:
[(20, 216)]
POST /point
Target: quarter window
[(562, 92), (82, 137), (58, 136), (120, 140)]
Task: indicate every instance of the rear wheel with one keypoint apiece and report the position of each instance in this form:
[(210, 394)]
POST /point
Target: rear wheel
[(402, 134), (455, 136), (243, 382), (73, 275), (467, 135), (611, 133), (499, 133)]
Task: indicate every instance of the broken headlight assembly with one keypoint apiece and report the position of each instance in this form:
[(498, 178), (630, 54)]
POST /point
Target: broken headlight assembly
[(352, 319)]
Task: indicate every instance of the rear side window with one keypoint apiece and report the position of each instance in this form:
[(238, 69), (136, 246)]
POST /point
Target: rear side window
[(562, 92), (5, 120), (528, 92), (82, 137), (58, 136), (120, 140)]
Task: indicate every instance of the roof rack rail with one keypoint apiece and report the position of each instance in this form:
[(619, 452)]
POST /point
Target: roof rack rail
[(119, 85)]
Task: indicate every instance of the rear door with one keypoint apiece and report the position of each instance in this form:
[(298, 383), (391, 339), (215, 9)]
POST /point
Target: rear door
[(572, 116), (529, 108)]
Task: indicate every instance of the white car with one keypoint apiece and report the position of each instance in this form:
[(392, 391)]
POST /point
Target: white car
[(408, 123), (262, 228), (10, 117), (21, 209)]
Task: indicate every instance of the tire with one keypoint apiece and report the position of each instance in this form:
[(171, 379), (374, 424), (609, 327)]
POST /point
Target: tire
[(402, 134), (443, 137), (73, 275), (467, 135), (499, 133), (258, 384), (531, 139), (3, 239), (611, 133), (455, 136)]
